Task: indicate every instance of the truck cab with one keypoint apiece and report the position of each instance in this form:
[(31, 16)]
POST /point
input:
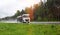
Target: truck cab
[(24, 18)]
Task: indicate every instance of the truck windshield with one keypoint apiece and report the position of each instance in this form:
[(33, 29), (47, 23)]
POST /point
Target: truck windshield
[(25, 16)]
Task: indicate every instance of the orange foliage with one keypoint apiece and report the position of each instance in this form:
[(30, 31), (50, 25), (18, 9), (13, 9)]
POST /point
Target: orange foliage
[(35, 6), (30, 11)]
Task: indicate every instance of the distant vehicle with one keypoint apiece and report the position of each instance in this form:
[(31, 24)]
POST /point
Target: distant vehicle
[(24, 18)]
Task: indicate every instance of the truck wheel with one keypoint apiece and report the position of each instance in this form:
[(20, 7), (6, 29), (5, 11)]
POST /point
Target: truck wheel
[(28, 22)]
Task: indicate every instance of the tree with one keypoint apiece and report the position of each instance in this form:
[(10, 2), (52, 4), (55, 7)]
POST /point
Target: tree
[(16, 14), (30, 12), (54, 8), (40, 12), (36, 6), (22, 12)]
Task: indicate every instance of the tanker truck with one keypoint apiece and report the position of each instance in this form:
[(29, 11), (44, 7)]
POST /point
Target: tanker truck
[(23, 18)]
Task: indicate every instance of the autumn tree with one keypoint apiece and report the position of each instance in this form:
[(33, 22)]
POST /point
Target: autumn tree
[(30, 12)]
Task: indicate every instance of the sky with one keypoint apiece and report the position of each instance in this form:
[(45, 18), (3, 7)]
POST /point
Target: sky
[(9, 7)]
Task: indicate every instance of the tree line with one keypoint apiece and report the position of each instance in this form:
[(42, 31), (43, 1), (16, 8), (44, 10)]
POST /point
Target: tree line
[(49, 11)]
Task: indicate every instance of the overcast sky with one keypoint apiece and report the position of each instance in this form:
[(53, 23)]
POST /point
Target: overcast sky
[(9, 7)]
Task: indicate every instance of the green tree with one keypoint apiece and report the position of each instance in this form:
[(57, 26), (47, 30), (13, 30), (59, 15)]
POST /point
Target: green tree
[(22, 12), (54, 9), (41, 12), (16, 14)]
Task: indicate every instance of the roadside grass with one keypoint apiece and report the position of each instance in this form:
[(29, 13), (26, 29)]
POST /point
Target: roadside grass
[(29, 29)]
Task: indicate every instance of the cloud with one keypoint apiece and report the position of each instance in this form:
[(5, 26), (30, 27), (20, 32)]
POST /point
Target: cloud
[(9, 7)]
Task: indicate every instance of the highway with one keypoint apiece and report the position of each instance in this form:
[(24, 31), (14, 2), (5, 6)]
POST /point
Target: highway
[(15, 21)]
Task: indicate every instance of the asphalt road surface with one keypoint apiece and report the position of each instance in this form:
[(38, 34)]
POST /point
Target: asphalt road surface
[(15, 21)]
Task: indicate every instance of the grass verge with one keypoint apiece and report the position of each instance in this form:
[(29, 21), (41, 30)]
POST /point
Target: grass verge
[(29, 29)]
